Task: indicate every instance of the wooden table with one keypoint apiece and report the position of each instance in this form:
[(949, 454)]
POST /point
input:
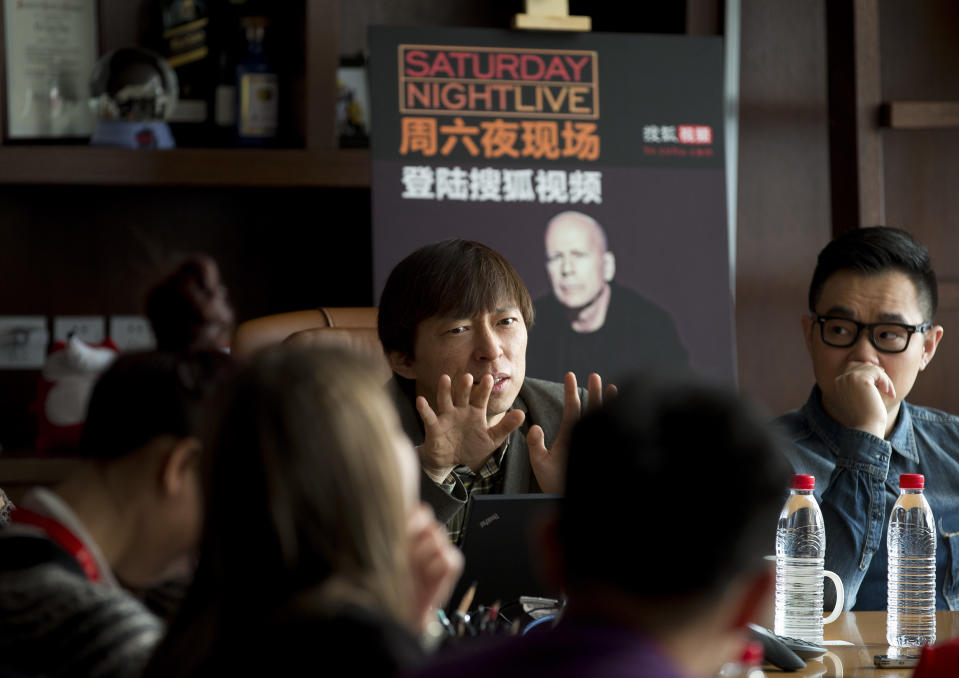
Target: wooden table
[(867, 633)]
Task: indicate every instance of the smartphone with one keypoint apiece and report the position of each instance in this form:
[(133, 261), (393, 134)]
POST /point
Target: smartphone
[(884, 661)]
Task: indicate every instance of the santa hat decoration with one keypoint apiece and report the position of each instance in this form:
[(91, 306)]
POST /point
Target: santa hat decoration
[(65, 385)]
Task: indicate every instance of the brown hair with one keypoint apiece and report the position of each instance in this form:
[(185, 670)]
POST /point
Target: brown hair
[(449, 278)]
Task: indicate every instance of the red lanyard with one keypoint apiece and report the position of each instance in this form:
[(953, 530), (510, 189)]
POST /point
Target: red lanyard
[(62, 536)]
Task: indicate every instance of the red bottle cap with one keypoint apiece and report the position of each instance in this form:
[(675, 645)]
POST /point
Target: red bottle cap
[(801, 482), (753, 653), (911, 481)]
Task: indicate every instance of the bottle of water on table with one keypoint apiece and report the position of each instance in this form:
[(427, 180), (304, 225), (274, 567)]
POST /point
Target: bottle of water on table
[(911, 584), (800, 553)]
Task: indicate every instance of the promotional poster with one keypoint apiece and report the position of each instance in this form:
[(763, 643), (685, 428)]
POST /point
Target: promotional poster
[(593, 162)]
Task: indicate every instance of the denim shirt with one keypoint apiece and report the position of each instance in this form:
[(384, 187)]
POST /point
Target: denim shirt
[(857, 483)]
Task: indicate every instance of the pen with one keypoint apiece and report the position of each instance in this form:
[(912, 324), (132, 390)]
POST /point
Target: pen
[(467, 599)]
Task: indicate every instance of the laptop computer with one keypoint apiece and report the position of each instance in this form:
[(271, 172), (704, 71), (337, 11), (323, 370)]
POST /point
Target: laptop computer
[(500, 550)]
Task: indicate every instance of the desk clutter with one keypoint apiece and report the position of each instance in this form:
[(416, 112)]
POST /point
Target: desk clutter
[(513, 618)]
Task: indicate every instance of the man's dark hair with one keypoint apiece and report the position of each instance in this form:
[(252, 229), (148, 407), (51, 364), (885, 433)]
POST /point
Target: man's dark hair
[(876, 250), (704, 484), (450, 278), (148, 394)]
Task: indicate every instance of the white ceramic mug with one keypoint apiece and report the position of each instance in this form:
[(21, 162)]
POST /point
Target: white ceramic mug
[(840, 596), (840, 592)]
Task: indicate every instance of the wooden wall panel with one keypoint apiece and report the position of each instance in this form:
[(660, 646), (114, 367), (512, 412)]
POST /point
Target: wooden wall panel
[(784, 212), (920, 61)]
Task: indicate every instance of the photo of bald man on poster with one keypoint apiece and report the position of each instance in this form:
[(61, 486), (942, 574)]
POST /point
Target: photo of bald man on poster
[(589, 323)]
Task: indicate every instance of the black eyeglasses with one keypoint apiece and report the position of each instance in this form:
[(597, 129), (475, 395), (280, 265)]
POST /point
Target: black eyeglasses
[(885, 337)]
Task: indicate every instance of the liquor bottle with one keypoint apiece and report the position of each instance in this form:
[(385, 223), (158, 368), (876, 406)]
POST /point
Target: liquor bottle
[(257, 89), (185, 43), (229, 45)]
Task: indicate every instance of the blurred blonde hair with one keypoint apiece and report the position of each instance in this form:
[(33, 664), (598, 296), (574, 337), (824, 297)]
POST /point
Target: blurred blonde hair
[(309, 437), (305, 504)]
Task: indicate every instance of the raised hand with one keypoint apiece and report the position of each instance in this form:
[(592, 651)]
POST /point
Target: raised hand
[(859, 398), (435, 564), (458, 432), (549, 466)]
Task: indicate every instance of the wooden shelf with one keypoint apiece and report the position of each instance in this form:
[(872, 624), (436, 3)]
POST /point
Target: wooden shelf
[(920, 114), (83, 165)]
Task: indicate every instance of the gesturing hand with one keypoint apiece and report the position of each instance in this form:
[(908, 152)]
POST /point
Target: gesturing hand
[(458, 431), (549, 466), (435, 564), (859, 398)]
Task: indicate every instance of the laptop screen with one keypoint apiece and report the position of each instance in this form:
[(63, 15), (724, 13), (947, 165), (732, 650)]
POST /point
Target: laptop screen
[(501, 549)]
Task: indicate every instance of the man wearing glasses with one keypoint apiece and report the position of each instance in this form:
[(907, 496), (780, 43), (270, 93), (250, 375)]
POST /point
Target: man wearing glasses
[(870, 331)]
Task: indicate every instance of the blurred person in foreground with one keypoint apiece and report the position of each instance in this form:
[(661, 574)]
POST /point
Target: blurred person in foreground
[(675, 601), (125, 518), (316, 548), (189, 310)]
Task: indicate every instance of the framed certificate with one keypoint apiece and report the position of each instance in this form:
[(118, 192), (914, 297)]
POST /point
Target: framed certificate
[(50, 51)]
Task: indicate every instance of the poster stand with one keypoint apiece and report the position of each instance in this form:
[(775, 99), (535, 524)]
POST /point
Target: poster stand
[(550, 15)]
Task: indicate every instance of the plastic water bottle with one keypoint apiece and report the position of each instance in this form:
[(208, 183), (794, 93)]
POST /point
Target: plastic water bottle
[(911, 586), (800, 553)]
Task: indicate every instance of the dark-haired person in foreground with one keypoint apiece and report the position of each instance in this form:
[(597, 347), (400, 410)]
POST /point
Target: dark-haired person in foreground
[(870, 331), (128, 514), (674, 598), (454, 318)]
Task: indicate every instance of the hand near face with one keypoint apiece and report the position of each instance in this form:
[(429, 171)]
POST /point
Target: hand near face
[(435, 565), (458, 432), (549, 466), (859, 398)]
